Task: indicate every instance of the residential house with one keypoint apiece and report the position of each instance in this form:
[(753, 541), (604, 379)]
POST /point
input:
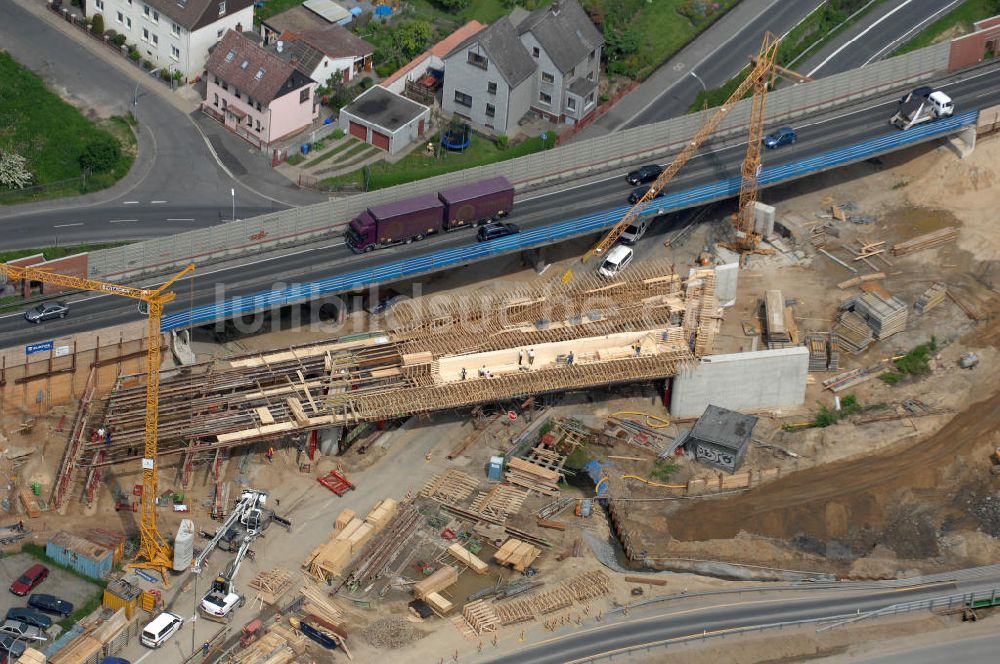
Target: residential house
[(326, 52), (567, 47), (489, 78), (430, 60), (310, 15), (173, 34), (547, 60), (255, 93)]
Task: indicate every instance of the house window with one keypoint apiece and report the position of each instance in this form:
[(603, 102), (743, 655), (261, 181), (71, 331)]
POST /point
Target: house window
[(128, 23), (176, 29), (258, 125), (570, 103), (249, 121), (572, 73), (100, 4), (593, 54), (463, 99), (225, 105), (145, 10), (156, 16), (544, 98), (491, 87), (547, 77), (225, 86), (304, 95), (491, 110), (590, 98), (145, 34), (258, 106), (590, 76), (259, 75), (128, 2), (222, 8), (244, 64), (534, 51), (231, 55), (156, 40), (216, 102), (120, 18), (477, 60), (218, 35), (237, 93), (175, 53)]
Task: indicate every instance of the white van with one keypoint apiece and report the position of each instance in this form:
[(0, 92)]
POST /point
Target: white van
[(156, 633), (941, 103), (635, 230), (618, 259)]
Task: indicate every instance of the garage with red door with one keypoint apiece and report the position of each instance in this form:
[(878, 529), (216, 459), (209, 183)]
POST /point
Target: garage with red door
[(358, 130), (385, 119)]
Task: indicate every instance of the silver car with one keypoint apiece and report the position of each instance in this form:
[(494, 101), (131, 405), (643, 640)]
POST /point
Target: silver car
[(21, 630), (45, 311)]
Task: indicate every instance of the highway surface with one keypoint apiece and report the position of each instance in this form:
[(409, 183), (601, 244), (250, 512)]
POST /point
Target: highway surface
[(684, 618), (981, 88)]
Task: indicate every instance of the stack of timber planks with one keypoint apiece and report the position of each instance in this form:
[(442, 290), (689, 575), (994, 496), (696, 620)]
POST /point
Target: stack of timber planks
[(467, 558), (931, 297), (533, 477), (852, 333), (885, 315), (330, 559), (774, 318), (926, 241), (517, 554), (442, 578)]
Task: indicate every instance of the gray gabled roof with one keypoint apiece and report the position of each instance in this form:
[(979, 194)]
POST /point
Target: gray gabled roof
[(565, 32), (503, 48)]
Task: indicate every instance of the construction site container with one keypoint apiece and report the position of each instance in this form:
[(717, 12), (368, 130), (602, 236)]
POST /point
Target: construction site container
[(121, 594), (109, 539), (184, 545), (80, 554), (494, 470)]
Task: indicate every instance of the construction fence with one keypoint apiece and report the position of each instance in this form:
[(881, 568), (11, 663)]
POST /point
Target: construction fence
[(36, 380), (550, 167)]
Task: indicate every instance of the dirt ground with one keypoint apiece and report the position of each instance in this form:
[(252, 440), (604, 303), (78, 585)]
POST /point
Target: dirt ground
[(923, 499)]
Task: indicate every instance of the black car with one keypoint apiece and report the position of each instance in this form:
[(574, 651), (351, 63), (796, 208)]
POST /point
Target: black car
[(45, 311), (639, 192), (10, 645), (643, 175), (496, 230), (50, 604), (30, 616)]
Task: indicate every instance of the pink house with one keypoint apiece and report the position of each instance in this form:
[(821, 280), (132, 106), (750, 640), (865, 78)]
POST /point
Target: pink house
[(255, 93)]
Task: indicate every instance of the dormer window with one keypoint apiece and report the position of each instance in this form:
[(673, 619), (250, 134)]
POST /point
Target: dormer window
[(244, 64), (477, 60), (222, 8), (259, 75), (231, 55)]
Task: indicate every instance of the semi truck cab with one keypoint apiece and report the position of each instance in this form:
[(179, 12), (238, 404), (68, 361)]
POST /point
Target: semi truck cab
[(360, 234)]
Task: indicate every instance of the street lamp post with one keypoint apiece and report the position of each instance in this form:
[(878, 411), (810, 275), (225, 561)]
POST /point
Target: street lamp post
[(698, 78), (232, 192), (135, 103)]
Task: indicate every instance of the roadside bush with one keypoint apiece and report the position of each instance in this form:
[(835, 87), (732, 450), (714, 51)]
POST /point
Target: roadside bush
[(452, 5), (97, 24), (146, 64), (101, 154), (119, 40), (165, 74), (385, 68), (338, 134), (295, 159), (367, 82), (503, 141)]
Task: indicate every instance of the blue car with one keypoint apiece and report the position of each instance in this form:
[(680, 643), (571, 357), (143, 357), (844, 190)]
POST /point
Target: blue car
[(114, 660), (783, 136)]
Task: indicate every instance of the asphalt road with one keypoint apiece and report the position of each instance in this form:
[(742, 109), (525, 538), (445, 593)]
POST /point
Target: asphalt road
[(333, 258), (961, 648), (726, 612), (875, 36), (178, 177)]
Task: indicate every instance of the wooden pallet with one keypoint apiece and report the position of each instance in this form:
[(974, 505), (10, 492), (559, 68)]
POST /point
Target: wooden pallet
[(499, 502), (515, 611), (481, 617), (271, 585), (30, 503), (451, 486)]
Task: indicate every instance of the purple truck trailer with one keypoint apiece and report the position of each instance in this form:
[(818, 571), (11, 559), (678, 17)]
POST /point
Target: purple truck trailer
[(415, 218)]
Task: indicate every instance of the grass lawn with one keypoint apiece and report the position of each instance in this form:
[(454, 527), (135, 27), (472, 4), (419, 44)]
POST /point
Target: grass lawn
[(964, 15), (52, 135), (330, 153), (417, 165)]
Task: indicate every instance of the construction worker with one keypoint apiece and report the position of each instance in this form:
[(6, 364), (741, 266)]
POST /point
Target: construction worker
[(107, 438), (270, 454), (463, 373), (204, 649), (520, 356), (531, 356), (569, 358), (482, 371)]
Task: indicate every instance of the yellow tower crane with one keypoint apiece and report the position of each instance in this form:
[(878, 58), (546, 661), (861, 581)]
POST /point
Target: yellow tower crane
[(154, 552), (758, 81)]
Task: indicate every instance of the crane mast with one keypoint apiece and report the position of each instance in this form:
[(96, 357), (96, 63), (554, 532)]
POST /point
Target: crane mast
[(154, 553)]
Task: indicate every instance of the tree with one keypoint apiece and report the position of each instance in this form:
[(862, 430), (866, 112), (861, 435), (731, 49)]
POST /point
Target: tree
[(101, 154), (97, 24), (453, 5), (620, 43), (14, 172), (412, 37)]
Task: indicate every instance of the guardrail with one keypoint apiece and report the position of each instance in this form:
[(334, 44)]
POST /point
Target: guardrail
[(977, 599), (561, 164), (530, 239)]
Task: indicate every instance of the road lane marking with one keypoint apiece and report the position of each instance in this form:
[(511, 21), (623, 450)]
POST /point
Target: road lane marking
[(864, 32), (156, 202), (79, 223), (120, 221), (905, 35), (180, 219), (130, 203)]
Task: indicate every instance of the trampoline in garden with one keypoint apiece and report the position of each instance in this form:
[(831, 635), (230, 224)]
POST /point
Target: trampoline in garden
[(457, 138)]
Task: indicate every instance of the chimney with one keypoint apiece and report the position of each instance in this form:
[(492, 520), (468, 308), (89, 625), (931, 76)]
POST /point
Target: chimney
[(281, 46), (239, 28)]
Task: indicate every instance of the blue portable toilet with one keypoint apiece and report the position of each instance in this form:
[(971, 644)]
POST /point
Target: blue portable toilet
[(494, 470)]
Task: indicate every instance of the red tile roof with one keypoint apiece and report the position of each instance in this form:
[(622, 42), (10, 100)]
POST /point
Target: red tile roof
[(262, 75), (440, 49)]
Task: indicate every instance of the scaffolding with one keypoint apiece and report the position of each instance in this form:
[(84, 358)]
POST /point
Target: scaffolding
[(644, 327)]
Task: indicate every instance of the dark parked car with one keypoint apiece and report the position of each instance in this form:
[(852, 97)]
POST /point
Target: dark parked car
[(45, 311), (31, 578), (50, 604), (639, 192), (496, 230), (644, 174), (30, 616), (10, 645), (114, 660), (783, 136)]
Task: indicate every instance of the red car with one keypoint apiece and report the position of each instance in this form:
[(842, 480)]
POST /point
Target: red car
[(27, 581)]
